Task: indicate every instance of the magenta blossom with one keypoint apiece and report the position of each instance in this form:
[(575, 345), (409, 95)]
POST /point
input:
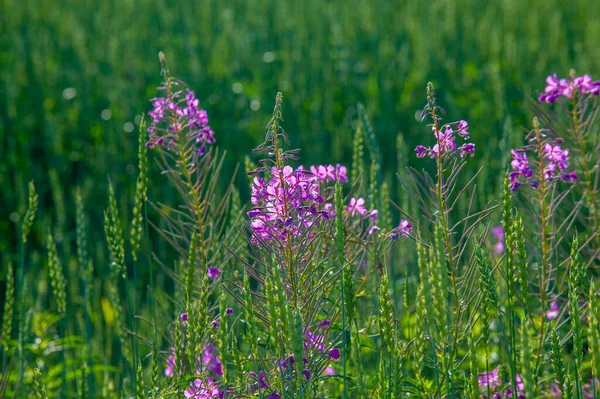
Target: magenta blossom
[(178, 117), (213, 272), (403, 230), (357, 206), (208, 362), (289, 203), (489, 379), (557, 88), (329, 173), (200, 389), (446, 142), (498, 232), (553, 312), (556, 162)]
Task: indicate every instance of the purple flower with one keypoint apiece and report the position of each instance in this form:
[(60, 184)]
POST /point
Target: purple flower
[(553, 312), (498, 232), (229, 310), (556, 162), (315, 341), (446, 142), (463, 127), (200, 389), (334, 353), (306, 373), (210, 361), (324, 323), (213, 272), (290, 202), (404, 228), (421, 151), (489, 379), (215, 323), (176, 119), (467, 149), (357, 206), (341, 173), (373, 215), (373, 230), (569, 177), (557, 88), (329, 173), (274, 395), (184, 318)]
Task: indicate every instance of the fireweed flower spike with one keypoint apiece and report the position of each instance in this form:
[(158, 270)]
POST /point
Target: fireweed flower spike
[(557, 88), (555, 160), (446, 141), (176, 115)]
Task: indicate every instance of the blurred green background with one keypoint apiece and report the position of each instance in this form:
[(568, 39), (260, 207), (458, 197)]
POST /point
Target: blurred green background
[(76, 75)]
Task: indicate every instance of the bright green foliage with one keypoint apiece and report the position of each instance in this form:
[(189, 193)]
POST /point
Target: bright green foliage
[(9, 303), (29, 217), (57, 278)]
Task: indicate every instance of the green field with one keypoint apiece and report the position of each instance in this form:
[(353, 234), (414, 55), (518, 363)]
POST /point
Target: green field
[(485, 58)]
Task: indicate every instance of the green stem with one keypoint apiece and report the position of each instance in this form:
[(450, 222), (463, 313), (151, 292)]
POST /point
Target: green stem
[(586, 167), (545, 249), (152, 299), (21, 315), (448, 244)]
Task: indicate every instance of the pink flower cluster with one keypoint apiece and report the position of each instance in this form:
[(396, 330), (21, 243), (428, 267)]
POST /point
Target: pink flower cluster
[(292, 201), (288, 204), (557, 88), (175, 115), (200, 389), (446, 141), (556, 163), (587, 388), (490, 380), (208, 362), (330, 173)]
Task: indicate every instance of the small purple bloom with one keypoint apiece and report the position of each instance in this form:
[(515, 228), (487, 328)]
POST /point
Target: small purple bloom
[(213, 272), (334, 353), (498, 232), (463, 127), (467, 149), (324, 323), (553, 312), (215, 323), (357, 206), (421, 151), (373, 230), (306, 373), (489, 379), (229, 310), (203, 390), (405, 228), (184, 318)]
